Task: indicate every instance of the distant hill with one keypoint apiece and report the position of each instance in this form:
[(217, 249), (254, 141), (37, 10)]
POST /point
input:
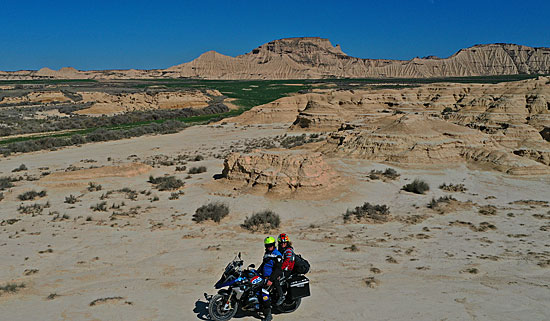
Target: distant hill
[(314, 58)]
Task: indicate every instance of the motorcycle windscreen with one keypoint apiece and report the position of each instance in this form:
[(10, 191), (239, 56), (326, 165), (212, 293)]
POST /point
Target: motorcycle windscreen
[(225, 280)]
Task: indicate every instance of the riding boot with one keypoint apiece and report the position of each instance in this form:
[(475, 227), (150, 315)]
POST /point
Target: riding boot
[(280, 293), (267, 314)]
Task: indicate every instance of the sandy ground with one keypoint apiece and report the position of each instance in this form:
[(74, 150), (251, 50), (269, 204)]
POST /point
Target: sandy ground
[(159, 262)]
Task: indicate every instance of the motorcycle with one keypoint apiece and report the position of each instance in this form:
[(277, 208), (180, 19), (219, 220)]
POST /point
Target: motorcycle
[(245, 288)]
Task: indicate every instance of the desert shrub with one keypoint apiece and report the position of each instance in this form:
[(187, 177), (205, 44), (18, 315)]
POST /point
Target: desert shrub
[(166, 183), (33, 209), (377, 213), (175, 195), (99, 207), (92, 187), (12, 287), (211, 211), (5, 183), (444, 199), (130, 193), (31, 195), (293, 141), (389, 173), (1, 196), (488, 210), (262, 221), (197, 170), (417, 186), (154, 198), (181, 168), (453, 187), (197, 158), (21, 168), (447, 110)]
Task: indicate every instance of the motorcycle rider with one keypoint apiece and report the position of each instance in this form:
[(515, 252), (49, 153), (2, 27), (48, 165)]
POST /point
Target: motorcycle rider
[(271, 270), (285, 247)]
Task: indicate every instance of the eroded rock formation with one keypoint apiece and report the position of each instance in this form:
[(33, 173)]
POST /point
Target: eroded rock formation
[(280, 171), (420, 139)]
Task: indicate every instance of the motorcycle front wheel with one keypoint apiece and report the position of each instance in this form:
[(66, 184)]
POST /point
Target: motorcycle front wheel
[(218, 310), (289, 305)]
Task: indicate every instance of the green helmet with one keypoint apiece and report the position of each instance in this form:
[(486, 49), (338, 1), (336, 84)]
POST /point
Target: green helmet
[(269, 241)]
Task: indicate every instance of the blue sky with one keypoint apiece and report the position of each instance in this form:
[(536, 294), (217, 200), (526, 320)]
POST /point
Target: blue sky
[(158, 34)]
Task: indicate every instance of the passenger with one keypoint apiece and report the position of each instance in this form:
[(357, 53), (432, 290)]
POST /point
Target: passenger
[(285, 247)]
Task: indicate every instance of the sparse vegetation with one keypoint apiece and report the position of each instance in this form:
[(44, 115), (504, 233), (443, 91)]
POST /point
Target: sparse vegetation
[(262, 221), (175, 195), (388, 173), (197, 170), (31, 195), (52, 296), (34, 209), (21, 168), (211, 211), (417, 186), (99, 207), (488, 210), (453, 187), (197, 158), (92, 187), (11, 287), (367, 211), (166, 183), (434, 203), (5, 183), (71, 199)]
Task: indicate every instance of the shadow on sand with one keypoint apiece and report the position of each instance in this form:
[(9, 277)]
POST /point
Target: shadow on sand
[(201, 309)]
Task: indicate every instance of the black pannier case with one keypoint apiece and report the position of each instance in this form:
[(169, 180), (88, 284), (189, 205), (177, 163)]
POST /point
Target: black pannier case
[(299, 287)]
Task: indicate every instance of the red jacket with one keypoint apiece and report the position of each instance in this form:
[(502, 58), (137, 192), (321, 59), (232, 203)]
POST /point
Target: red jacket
[(288, 259)]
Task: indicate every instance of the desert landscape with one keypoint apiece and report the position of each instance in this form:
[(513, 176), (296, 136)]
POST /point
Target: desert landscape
[(415, 192)]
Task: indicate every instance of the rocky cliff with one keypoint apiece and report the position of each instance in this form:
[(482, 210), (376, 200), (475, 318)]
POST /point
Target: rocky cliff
[(313, 58)]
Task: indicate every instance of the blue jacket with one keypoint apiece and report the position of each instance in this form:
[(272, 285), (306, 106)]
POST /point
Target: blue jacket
[(272, 263)]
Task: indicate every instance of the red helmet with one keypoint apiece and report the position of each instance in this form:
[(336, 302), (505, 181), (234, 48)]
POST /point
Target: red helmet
[(283, 238)]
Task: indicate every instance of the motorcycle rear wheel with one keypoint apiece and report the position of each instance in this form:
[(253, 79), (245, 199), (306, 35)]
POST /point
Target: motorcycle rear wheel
[(289, 305), (216, 308)]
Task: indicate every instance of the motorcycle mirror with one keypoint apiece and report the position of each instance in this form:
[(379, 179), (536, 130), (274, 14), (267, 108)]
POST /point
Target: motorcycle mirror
[(251, 266)]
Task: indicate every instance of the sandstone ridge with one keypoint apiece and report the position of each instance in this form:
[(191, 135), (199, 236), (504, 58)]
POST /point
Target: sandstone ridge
[(314, 58)]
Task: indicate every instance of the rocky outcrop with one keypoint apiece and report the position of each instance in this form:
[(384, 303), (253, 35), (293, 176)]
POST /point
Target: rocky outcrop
[(419, 139), (314, 58), (280, 171), (491, 107)]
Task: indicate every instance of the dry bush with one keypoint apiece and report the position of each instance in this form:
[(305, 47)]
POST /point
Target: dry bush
[(5, 183), (166, 183), (92, 187), (262, 221), (71, 199), (34, 209), (417, 186), (488, 210), (31, 195), (11, 287), (367, 211), (99, 207), (197, 170), (21, 168), (453, 187), (434, 203), (389, 173), (211, 211)]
